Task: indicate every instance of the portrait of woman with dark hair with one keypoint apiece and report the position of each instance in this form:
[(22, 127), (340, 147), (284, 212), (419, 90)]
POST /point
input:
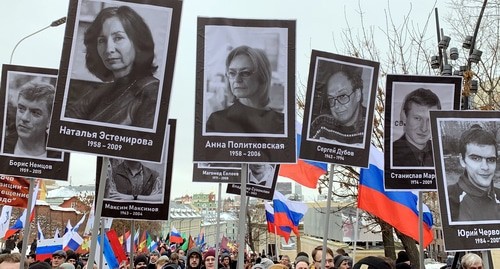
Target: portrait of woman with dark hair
[(248, 76), (120, 52), (342, 115)]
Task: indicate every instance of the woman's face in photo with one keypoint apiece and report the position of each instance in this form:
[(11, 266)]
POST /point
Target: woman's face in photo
[(242, 77), (115, 48)]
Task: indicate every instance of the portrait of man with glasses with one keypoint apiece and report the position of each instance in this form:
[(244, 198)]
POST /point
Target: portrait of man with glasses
[(342, 116)]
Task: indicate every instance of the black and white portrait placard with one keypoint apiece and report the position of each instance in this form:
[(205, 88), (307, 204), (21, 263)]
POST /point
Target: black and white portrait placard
[(339, 109), (217, 172), (409, 163), (115, 81), (138, 190), (260, 181), (467, 171), (27, 97), (245, 91)]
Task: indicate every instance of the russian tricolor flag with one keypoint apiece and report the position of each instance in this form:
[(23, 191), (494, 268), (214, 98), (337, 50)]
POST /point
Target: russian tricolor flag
[(283, 231), (175, 236), (288, 213), (110, 260), (19, 224), (68, 227), (116, 246), (45, 248), (399, 209), (303, 172), (40, 232), (72, 240)]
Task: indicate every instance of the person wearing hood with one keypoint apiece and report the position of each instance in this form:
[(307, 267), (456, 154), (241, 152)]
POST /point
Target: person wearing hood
[(193, 260), (225, 260), (141, 261)]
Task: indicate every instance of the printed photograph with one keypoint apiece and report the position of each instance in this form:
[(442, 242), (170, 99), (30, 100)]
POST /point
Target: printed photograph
[(261, 174), (245, 91), (409, 164), (468, 150), (117, 65), (411, 132), (135, 181), (27, 110), (245, 75), (341, 92), (339, 109)]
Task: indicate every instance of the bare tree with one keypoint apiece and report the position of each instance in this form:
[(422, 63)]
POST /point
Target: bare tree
[(408, 52)]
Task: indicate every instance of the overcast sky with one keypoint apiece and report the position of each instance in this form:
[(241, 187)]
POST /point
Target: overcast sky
[(319, 26)]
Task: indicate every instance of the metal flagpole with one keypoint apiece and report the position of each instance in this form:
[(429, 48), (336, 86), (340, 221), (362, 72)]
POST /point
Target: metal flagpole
[(217, 229), (355, 243), (27, 223), (132, 244), (243, 213), (101, 253), (98, 210), (277, 239), (327, 217), (421, 228)]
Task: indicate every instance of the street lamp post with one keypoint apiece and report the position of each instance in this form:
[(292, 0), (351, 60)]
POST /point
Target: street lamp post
[(469, 85), (53, 24), (440, 61)]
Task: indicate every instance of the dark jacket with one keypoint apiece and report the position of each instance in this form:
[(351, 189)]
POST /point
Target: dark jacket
[(10, 144), (476, 204), (127, 101), (124, 185), (405, 154), (239, 118)]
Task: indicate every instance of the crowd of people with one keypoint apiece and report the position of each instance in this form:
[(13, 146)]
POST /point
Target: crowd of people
[(164, 258)]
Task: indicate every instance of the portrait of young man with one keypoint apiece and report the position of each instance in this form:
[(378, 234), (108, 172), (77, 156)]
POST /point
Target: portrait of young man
[(414, 147), (466, 153), (28, 97), (261, 174), (32, 120), (261, 181), (474, 189), (409, 162)]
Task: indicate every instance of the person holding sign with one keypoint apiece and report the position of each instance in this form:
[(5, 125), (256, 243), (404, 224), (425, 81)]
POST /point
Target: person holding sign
[(472, 197), (248, 74), (414, 147), (34, 107), (120, 52), (346, 117)]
